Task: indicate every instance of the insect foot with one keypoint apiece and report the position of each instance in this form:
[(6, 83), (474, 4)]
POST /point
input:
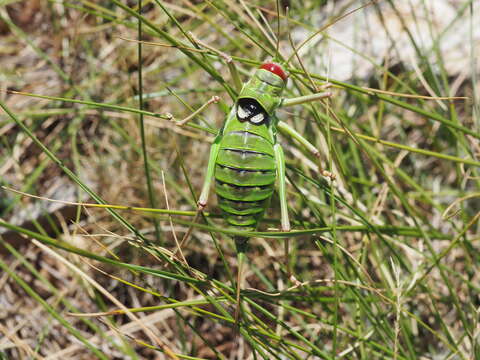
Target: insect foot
[(215, 99), (201, 205), (326, 86), (296, 283), (330, 175)]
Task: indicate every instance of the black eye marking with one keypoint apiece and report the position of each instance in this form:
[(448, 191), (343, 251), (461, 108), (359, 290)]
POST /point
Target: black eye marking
[(251, 110)]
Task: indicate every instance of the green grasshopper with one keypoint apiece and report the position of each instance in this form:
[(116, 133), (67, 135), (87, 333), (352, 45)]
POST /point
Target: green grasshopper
[(245, 158)]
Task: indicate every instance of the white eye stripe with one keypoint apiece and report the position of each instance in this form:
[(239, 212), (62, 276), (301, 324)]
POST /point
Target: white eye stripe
[(257, 118)]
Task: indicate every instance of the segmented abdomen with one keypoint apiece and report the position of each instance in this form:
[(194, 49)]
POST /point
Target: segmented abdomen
[(245, 175)]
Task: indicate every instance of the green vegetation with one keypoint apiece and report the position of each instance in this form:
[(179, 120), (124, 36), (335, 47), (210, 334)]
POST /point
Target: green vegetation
[(387, 254)]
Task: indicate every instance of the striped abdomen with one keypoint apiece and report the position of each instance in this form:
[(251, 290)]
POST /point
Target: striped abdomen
[(245, 175)]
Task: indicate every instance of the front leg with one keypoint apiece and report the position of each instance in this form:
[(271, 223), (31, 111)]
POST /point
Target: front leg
[(202, 200), (213, 100), (307, 98)]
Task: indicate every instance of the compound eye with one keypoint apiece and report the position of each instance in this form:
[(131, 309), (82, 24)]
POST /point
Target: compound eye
[(276, 69)]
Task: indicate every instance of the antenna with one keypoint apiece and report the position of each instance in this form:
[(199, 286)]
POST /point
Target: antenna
[(295, 50), (277, 51)]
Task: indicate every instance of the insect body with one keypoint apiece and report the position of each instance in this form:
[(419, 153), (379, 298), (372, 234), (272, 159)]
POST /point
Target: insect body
[(245, 166), (245, 159)]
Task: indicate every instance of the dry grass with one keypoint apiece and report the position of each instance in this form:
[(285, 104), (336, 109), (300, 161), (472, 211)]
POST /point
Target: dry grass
[(411, 292)]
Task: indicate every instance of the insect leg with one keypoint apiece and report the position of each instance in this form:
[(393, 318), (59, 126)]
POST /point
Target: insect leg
[(285, 128), (305, 99), (280, 162), (228, 59), (202, 200), (291, 132), (213, 100), (241, 257)]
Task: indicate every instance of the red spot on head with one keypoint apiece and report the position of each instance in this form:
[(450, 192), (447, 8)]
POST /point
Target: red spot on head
[(276, 69)]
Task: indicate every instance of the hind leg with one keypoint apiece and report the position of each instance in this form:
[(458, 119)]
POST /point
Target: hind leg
[(285, 221)]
